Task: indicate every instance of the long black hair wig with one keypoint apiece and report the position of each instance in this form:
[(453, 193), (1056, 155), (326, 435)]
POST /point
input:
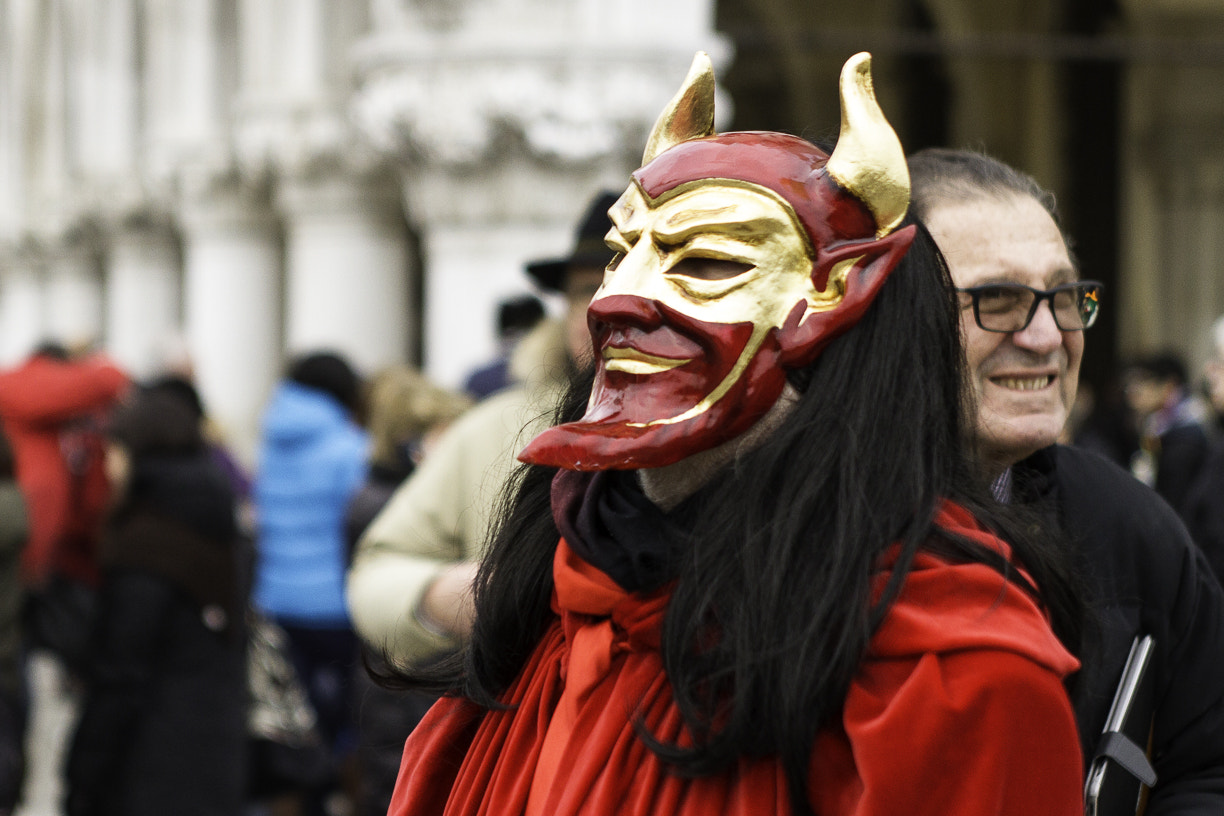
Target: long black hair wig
[(781, 553)]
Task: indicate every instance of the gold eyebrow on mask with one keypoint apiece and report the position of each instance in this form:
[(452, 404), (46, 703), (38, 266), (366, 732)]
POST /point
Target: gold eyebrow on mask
[(683, 226)]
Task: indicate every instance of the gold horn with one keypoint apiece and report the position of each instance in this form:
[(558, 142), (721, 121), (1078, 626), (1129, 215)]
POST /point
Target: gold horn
[(690, 114), (868, 160)]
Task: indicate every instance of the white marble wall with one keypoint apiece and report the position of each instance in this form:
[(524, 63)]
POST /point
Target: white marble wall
[(263, 177), (510, 116), (21, 305), (143, 315), (487, 100), (232, 305), (72, 306), (348, 271)]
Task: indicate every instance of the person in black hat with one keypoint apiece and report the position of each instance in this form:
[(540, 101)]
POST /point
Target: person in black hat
[(408, 584), (516, 316), (589, 251), (578, 275)]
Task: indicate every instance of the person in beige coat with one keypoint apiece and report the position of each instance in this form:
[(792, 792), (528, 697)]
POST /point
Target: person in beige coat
[(409, 583)]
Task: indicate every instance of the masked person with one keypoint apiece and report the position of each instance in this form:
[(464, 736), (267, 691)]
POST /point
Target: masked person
[(749, 573)]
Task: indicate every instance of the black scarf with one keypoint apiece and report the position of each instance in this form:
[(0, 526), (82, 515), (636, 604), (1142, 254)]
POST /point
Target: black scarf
[(609, 523)]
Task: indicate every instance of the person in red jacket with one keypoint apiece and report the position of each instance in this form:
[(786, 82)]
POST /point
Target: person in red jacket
[(52, 407), (753, 570)]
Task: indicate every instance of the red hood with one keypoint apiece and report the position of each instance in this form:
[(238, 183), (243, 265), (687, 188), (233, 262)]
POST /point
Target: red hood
[(946, 607)]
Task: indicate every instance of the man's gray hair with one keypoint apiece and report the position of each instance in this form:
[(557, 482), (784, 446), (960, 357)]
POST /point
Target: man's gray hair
[(940, 175)]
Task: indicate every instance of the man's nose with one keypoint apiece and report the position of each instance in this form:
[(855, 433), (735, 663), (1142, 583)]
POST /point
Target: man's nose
[(1042, 333)]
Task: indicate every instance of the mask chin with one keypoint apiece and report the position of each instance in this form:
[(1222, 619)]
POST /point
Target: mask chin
[(616, 443)]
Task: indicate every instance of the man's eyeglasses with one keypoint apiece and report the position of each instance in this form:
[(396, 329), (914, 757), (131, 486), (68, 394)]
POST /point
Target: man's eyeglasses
[(1009, 307)]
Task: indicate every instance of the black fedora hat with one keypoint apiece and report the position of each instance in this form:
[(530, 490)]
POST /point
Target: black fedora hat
[(589, 247)]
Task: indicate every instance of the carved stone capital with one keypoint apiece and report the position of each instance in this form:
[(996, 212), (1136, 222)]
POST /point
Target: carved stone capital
[(483, 103), (308, 139)]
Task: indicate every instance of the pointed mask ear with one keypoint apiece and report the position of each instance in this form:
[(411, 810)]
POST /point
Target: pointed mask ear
[(689, 115), (857, 272), (868, 160)]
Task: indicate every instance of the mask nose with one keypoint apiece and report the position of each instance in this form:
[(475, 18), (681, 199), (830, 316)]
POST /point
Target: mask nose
[(637, 274), (622, 310)]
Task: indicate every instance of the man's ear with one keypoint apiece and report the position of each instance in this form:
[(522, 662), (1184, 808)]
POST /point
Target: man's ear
[(858, 270)]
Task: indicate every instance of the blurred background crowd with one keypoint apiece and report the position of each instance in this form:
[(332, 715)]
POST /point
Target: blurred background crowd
[(174, 627)]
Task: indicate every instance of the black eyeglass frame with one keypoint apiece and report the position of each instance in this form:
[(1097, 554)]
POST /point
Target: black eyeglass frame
[(975, 292)]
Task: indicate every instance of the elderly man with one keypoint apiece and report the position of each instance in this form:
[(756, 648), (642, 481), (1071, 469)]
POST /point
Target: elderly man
[(1024, 310)]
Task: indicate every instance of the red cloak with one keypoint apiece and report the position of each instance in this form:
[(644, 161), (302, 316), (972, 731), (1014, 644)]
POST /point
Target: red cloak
[(958, 710)]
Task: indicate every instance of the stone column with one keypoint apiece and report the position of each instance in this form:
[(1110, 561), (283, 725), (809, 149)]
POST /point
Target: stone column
[(22, 305), (106, 104), (143, 298), (478, 242), (345, 256), (231, 296), (190, 62), (347, 279), (73, 299)]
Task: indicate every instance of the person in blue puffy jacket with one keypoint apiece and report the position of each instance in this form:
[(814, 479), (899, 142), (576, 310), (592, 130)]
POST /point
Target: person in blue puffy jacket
[(312, 460)]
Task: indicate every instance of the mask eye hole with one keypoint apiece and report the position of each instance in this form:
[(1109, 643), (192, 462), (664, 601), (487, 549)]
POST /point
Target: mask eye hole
[(710, 269)]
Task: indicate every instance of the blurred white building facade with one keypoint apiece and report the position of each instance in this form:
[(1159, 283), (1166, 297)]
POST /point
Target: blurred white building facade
[(239, 181)]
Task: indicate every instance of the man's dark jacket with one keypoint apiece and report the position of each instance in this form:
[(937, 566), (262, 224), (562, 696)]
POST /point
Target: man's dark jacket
[(1145, 576), (1204, 510)]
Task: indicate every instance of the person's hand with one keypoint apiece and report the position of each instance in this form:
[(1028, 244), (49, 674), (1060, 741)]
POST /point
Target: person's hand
[(118, 467), (447, 606)]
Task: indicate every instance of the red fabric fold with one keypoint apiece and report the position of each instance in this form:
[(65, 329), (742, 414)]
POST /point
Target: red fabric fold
[(958, 710)]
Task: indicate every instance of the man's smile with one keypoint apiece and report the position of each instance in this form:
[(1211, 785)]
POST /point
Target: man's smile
[(1024, 383)]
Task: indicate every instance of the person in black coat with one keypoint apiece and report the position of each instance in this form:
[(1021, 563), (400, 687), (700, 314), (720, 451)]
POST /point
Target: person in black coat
[(1173, 438), (1204, 507), (14, 530), (1024, 309), (1147, 577), (163, 729)]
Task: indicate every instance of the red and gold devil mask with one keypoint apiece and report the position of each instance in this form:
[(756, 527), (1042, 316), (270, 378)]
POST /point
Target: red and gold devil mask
[(738, 257)]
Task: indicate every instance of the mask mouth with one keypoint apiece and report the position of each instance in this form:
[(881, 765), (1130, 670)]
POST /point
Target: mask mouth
[(629, 360), (638, 420)]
